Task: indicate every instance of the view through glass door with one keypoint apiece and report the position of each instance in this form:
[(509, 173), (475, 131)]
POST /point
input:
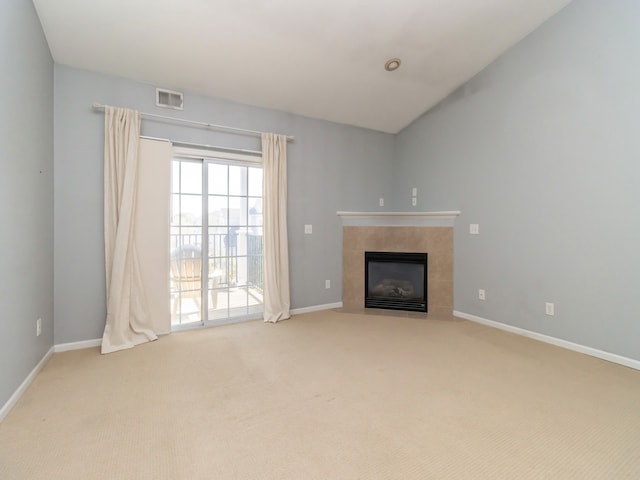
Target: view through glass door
[(219, 279)]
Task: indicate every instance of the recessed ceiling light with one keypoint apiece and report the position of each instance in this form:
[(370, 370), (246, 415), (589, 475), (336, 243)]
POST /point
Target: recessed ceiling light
[(392, 64)]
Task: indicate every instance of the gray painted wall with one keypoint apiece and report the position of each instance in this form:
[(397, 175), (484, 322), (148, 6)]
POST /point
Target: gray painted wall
[(331, 167), (26, 194), (542, 150)]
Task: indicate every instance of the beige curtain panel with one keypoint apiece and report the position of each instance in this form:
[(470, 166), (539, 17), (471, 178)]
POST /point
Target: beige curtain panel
[(151, 229), (276, 247), (128, 320)]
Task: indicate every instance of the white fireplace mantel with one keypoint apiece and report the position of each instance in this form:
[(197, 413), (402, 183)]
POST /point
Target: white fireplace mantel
[(398, 219)]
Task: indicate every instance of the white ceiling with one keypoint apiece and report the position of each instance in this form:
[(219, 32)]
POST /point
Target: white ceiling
[(319, 58)]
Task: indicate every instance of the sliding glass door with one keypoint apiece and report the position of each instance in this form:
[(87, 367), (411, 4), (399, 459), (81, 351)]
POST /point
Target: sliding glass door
[(216, 241)]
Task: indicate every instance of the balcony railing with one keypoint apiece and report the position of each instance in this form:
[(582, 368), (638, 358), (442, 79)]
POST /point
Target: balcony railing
[(236, 259)]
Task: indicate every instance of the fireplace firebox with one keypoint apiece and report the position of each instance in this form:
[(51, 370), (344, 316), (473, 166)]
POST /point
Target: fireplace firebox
[(395, 280)]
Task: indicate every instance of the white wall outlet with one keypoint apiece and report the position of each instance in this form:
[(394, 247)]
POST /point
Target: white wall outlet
[(414, 192), (38, 327), (327, 284), (381, 202), (474, 229), (414, 201), (481, 294), (549, 309), (308, 229)]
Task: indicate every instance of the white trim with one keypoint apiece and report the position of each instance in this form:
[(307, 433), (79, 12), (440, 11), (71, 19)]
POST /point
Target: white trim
[(13, 399), (398, 219), (594, 352), (316, 308), (200, 153), (65, 347), (201, 146)]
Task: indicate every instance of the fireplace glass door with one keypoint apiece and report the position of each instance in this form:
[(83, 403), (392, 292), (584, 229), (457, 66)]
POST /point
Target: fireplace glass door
[(396, 281)]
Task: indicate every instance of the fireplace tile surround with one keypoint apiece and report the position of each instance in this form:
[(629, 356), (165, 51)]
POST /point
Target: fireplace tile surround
[(430, 232)]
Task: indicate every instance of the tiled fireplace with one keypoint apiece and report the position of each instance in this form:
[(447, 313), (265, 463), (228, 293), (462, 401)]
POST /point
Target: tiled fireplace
[(424, 232)]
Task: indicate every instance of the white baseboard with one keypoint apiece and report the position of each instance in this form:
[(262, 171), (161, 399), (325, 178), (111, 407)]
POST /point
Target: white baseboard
[(6, 408), (316, 308), (96, 342), (594, 352), (65, 347)]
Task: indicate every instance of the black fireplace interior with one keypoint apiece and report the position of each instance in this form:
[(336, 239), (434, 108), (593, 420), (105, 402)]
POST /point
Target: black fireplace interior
[(396, 281)]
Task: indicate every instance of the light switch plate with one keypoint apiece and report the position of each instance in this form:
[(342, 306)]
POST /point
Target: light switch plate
[(308, 229), (549, 309)]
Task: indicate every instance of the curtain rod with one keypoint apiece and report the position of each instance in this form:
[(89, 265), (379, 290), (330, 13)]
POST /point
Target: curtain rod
[(99, 106)]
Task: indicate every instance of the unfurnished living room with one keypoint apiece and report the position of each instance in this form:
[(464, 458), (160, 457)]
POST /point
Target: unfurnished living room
[(320, 239)]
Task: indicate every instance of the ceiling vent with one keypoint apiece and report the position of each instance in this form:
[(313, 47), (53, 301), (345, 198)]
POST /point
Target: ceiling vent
[(169, 99)]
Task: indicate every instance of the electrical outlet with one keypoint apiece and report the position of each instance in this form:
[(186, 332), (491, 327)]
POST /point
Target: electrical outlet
[(308, 229), (327, 284), (549, 309), (474, 229), (38, 327), (481, 294), (381, 202), (414, 201)]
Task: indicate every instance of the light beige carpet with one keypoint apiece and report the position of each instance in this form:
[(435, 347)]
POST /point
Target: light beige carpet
[(328, 396)]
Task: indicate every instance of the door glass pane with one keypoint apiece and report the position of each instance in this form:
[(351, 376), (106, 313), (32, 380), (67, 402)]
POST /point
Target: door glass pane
[(238, 211), (217, 271), (255, 211), (188, 236), (190, 209), (255, 182), (217, 236), (219, 310), (186, 286), (217, 179), (218, 210), (175, 176), (175, 209), (241, 271), (191, 177), (186, 242), (237, 180), (175, 238)]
